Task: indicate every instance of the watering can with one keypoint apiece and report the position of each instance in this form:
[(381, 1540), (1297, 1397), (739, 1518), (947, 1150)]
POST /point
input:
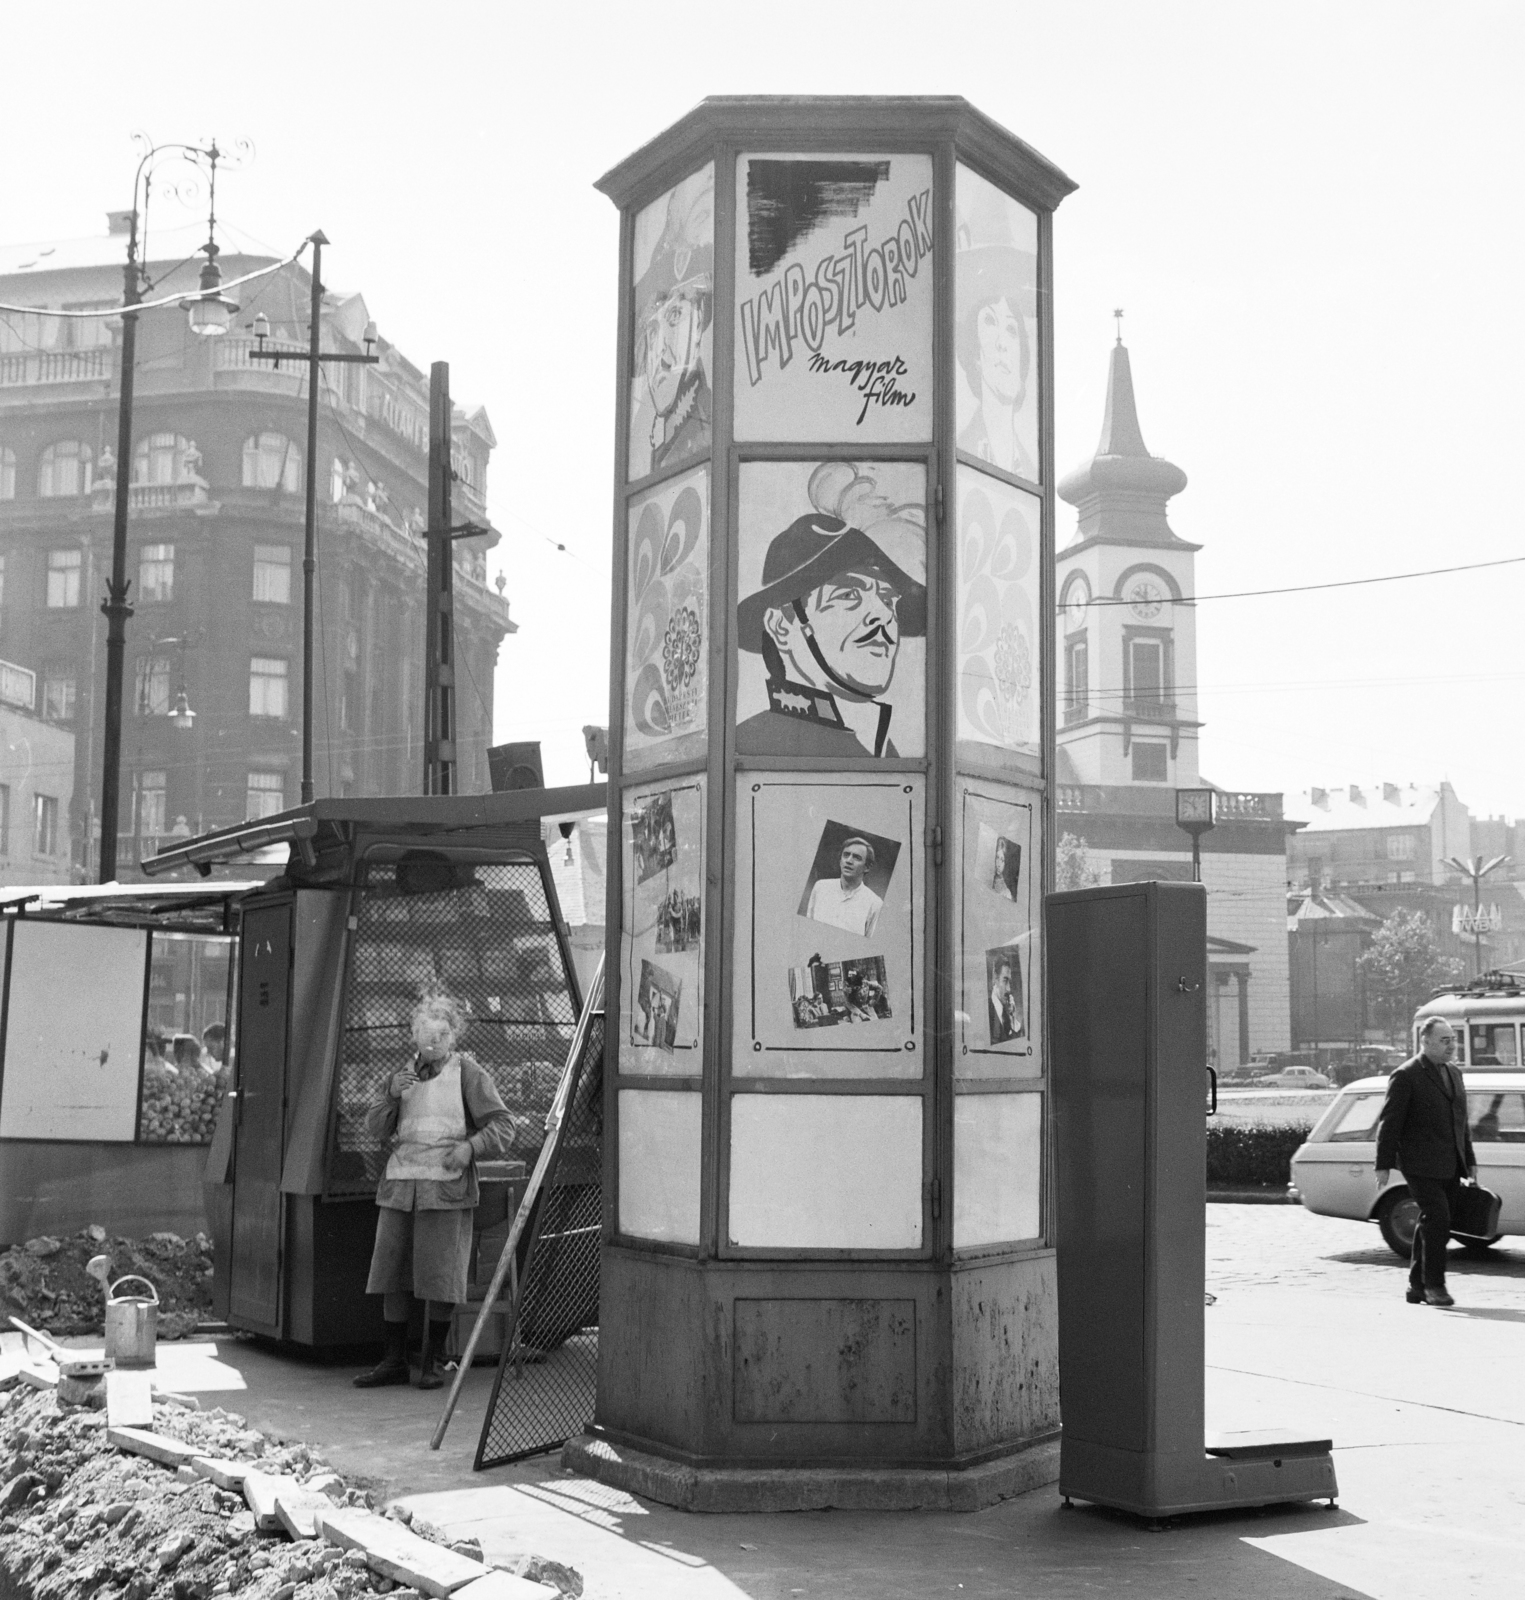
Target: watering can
[(132, 1320)]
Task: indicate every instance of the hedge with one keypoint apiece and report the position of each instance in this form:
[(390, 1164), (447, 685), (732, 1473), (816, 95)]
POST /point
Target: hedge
[(1258, 1154)]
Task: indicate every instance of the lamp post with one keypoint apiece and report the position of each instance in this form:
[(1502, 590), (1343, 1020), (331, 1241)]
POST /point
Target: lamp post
[(313, 358), (210, 314), (1196, 814), (1476, 869)]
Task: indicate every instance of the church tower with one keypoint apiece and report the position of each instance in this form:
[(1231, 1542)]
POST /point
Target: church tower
[(1127, 634)]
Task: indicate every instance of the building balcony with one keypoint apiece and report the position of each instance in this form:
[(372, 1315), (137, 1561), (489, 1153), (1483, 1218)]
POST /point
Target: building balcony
[(1069, 797), (156, 499), (1149, 709), (30, 368), (1242, 807), (1076, 711)]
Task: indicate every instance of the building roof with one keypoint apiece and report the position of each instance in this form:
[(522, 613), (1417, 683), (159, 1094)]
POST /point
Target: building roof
[(1370, 805), (1121, 492), (171, 244), (1324, 907)]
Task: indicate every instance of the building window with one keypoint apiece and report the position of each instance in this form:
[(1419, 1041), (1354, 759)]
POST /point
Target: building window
[(272, 574), (272, 461), (87, 333), (151, 808), (152, 698), (1401, 847), (1077, 691), (156, 572), (265, 795), (1150, 763), (58, 697), (267, 687), (7, 473), (64, 469), (157, 459), (336, 481), (44, 825), (5, 819), (1148, 689), (63, 578)]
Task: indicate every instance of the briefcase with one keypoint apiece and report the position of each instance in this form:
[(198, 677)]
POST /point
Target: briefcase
[(1476, 1212)]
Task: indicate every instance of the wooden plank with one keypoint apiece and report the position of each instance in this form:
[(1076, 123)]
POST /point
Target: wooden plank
[(261, 1491), (298, 1510), (156, 1446), (396, 1553), (505, 1586), (225, 1474), (129, 1400)]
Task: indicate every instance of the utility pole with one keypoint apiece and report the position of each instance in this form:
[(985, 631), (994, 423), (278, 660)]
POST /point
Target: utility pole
[(313, 359), (115, 606), (439, 629)]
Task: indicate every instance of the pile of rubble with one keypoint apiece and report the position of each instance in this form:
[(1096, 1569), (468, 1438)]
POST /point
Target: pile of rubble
[(44, 1281), (198, 1505)]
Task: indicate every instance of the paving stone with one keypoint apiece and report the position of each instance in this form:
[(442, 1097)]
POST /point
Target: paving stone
[(225, 1474), (505, 1586), (129, 1400), (390, 1549), (261, 1491), (299, 1508), (155, 1446)]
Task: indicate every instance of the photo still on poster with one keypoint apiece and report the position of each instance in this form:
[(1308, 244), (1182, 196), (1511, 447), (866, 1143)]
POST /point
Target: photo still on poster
[(672, 316), (667, 625), (832, 615), (996, 319), (834, 298), (828, 927), (999, 666), (661, 1004), (999, 970)]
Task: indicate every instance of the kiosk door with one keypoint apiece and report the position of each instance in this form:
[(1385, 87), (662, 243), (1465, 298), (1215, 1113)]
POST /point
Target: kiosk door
[(264, 986)]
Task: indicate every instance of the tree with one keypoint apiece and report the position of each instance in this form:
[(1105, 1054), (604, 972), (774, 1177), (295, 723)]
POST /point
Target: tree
[(1072, 864), (1403, 967)]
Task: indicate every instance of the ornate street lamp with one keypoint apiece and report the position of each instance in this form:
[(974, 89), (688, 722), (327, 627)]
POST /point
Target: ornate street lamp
[(1476, 869)]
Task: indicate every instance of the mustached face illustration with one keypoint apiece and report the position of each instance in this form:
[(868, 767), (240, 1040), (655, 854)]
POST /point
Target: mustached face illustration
[(853, 620)]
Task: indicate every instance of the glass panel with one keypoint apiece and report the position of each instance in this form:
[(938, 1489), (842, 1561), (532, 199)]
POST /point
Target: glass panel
[(1494, 1045), (667, 636), (72, 1049), (834, 298), (1356, 1120), (674, 275), (184, 1045), (659, 1164), (831, 627), (826, 1171), (1497, 1118), (661, 943), (996, 312), (999, 932), (997, 1168), (1000, 673), (829, 924)]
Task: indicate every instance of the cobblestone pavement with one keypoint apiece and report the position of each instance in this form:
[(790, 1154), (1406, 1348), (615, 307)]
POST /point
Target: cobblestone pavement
[(1289, 1247)]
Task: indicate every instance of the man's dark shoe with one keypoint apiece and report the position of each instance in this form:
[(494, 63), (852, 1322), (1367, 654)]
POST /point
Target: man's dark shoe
[(1415, 1297), (1437, 1297), (387, 1371)]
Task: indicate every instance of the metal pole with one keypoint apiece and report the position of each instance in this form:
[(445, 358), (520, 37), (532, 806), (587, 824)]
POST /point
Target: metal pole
[(115, 607), (1477, 934), (1196, 858), (439, 641), (310, 548)]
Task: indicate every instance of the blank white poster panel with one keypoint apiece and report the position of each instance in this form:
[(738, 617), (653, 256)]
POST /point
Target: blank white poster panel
[(826, 1172), (659, 1164), (74, 1034), (997, 1168)]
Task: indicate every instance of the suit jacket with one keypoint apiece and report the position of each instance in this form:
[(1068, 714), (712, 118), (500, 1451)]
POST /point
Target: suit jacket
[(1422, 1130)]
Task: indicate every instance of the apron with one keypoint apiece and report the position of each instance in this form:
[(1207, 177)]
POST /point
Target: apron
[(432, 1118)]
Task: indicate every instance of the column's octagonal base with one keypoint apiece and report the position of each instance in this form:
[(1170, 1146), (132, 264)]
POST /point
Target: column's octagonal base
[(850, 1488)]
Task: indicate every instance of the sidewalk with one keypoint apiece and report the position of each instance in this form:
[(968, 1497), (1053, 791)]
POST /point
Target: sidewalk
[(1309, 1331)]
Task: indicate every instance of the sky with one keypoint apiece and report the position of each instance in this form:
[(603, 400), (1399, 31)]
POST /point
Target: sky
[(1310, 214)]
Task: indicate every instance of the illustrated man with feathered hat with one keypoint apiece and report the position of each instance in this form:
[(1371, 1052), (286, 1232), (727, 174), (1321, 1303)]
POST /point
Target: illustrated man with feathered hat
[(827, 621)]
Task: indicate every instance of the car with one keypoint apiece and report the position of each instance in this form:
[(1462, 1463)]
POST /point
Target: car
[(1334, 1170), (1294, 1078)]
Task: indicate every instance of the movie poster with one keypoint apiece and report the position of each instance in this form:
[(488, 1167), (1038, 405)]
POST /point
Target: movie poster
[(999, 974), (668, 623), (1000, 671), (832, 616), (995, 275), (829, 915), (672, 317), (834, 298), (661, 1001)]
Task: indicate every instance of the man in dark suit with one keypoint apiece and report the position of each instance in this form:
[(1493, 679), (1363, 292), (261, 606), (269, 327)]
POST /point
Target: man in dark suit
[(1423, 1132)]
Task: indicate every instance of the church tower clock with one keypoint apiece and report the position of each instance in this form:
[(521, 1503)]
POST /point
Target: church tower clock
[(1127, 628)]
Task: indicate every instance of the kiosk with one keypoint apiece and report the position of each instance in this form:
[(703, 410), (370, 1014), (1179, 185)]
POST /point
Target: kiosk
[(828, 1240), (379, 897)]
